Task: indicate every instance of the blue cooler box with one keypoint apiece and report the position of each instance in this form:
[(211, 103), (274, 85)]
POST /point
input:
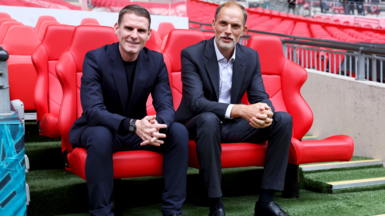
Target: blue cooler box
[(13, 200)]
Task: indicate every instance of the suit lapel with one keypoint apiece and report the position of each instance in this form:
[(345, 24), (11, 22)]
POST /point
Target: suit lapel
[(119, 73), (140, 77), (212, 65), (238, 74)]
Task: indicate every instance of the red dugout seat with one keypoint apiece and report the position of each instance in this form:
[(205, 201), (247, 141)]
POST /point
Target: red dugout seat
[(48, 92), (43, 27), (233, 154), (20, 42), (283, 80), (4, 15), (164, 29), (42, 19), (90, 21), (4, 28), (69, 70)]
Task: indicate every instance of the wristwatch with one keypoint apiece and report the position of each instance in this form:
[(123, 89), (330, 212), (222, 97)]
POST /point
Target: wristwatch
[(132, 127)]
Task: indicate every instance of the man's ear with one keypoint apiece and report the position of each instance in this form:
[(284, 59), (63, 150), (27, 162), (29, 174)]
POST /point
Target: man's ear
[(213, 24), (245, 29), (149, 34), (116, 28)]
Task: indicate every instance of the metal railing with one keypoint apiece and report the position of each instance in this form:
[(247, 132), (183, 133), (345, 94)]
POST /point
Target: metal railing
[(363, 61)]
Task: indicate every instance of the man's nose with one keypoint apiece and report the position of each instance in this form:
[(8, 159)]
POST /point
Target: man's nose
[(134, 34), (228, 29)]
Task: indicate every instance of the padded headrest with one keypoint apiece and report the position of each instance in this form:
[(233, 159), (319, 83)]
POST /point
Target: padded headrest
[(270, 53), (42, 19), (179, 39), (43, 27), (57, 39), (164, 29), (21, 40), (86, 38), (4, 15), (89, 21), (4, 28)]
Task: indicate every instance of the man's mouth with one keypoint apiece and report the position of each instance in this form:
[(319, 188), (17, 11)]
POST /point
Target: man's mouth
[(132, 43), (227, 39)]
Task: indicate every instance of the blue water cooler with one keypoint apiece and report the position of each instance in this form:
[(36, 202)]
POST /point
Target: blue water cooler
[(13, 196)]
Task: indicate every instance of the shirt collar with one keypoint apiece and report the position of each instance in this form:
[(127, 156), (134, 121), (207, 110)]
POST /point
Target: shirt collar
[(219, 54)]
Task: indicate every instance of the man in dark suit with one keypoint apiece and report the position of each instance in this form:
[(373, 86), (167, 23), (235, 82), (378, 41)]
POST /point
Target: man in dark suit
[(117, 80), (215, 74)]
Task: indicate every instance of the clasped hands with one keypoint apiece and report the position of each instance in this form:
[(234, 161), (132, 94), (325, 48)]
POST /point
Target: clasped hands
[(259, 115), (148, 130)]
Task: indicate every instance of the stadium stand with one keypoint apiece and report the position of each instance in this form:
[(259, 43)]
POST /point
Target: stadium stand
[(55, 42)]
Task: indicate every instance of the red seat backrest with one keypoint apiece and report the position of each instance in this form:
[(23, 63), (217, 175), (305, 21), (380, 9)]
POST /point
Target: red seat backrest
[(48, 92), (4, 28), (4, 15), (152, 42), (178, 39), (43, 27), (69, 70), (89, 21), (164, 29), (41, 20), (283, 80), (20, 40)]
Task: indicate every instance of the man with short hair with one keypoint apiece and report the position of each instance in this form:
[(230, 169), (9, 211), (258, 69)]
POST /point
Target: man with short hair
[(117, 80), (215, 74)]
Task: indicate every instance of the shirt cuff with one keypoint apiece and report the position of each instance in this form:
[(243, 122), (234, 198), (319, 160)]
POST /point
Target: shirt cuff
[(228, 111)]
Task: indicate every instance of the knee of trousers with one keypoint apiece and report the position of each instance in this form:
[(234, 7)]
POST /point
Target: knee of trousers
[(177, 134), (209, 123), (99, 141), (283, 119)]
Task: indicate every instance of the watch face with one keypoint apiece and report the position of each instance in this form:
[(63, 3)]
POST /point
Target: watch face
[(131, 128)]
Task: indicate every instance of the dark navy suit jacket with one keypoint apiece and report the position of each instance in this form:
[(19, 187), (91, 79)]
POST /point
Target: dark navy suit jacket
[(200, 77), (104, 90)]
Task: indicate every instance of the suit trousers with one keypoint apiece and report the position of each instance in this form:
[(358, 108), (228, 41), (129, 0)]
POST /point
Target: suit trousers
[(209, 132), (101, 143)]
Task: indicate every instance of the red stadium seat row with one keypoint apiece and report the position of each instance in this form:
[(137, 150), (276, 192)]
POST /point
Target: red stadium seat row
[(20, 41), (53, 4), (283, 80)]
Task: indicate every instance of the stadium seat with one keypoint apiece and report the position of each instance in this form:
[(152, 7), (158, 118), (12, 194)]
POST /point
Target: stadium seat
[(20, 42), (4, 15), (2, 20), (233, 154), (69, 70), (48, 92), (164, 29), (4, 28), (42, 19), (43, 27), (90, 21), (283, 80), (152, 43)]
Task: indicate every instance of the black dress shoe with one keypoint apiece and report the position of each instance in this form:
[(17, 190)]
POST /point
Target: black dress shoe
[(218, 212), (180, 214), (272, 209)]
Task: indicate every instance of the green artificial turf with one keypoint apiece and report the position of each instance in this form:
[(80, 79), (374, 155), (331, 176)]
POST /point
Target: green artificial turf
[(316, 180)]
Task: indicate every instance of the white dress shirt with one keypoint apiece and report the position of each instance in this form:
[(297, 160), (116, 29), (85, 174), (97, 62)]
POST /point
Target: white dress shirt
[(225, 79)]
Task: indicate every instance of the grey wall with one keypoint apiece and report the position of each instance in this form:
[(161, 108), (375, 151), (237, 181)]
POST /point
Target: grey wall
[(29, 16), (342, 105)]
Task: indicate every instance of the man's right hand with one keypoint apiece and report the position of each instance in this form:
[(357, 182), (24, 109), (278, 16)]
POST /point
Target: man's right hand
[(148, 130), (259, 115)]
